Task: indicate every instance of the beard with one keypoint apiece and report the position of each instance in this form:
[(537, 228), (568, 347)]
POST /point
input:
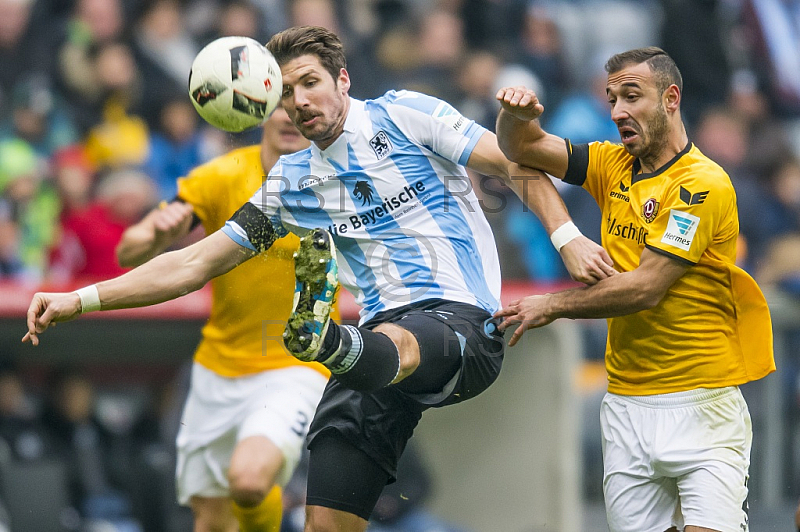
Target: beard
[(654, 141)]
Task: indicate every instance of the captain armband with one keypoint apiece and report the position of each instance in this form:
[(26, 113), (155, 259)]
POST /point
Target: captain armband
[(259, 229)]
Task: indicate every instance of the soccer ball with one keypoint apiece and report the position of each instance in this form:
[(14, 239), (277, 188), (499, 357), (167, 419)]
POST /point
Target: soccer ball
[(235, 83)]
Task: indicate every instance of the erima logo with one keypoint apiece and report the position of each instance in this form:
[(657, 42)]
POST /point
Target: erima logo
[(681, 229), (693, 199), (618, 195), (381, 144), (362, 191)]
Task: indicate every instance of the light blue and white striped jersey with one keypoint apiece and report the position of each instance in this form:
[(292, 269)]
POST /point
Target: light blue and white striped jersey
[(393, 191)]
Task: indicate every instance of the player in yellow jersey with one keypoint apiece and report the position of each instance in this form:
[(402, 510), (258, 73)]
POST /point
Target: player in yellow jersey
[(250, 403), (686, 326)]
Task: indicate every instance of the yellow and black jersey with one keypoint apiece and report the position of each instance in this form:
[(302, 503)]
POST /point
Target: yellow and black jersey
[(712, 329), (252, 302)]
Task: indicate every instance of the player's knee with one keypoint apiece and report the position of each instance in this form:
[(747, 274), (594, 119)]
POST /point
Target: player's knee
[(247, 488), (407, 348)]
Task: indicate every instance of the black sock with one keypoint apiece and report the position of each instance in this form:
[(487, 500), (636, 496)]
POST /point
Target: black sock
[(363, 360)]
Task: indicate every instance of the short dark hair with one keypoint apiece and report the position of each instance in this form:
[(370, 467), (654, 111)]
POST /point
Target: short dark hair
[(664, 69), (309, 40)]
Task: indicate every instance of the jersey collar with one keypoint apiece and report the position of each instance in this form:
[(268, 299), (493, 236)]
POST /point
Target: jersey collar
[(637, 165), (355, 117)]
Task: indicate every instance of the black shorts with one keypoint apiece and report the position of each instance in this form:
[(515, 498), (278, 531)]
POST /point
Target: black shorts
[(380, 423)]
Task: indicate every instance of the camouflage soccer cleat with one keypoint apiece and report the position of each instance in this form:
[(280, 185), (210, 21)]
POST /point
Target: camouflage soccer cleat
[(316, 281)]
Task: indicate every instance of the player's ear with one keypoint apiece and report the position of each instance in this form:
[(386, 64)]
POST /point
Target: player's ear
[(672, 98), (343, 80)]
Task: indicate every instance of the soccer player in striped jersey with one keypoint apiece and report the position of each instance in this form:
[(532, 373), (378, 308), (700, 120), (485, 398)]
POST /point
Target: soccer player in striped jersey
[(382, 197), (250, 403), (686, 325)]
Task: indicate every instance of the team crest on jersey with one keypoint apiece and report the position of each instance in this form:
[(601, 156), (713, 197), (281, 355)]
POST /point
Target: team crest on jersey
[(362, 191), (650, 210), (381, 144)]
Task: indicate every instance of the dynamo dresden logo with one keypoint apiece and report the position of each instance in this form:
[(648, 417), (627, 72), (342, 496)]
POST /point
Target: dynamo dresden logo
[(650, 210)]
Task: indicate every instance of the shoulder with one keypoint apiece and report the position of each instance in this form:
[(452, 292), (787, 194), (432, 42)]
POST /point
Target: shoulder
[(610, 152), (703, 173), (293, 160), (415, 101)]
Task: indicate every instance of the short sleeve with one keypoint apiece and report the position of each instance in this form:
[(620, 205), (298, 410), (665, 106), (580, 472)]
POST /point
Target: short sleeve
[(589, 166), (692, 215), (435, 124), (197, 189), (258, 223)]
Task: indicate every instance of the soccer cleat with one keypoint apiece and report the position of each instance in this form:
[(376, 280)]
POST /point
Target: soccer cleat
[(316, 281)]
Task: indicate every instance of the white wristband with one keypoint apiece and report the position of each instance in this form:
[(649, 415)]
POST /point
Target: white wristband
[(564, 235), (90, 298)]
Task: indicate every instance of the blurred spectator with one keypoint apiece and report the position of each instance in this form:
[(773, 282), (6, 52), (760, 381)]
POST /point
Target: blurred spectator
[(24, 47), (93, 23), (89, 236), (476, 81), (29, 209), (781, 264), (584, 115), (774, 32), (175, 148), (87, 447), (121, 138), (542, 51), (164, 50), (19, 427), (492, 24), (441, 49), (692, 33), (37, 117), (723, 136)]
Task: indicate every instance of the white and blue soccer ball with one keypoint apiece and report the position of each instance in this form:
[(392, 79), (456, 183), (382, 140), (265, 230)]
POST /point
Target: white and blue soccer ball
[(235, 83)]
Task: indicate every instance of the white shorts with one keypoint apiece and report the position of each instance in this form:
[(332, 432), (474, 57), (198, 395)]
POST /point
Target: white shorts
[(675, 460), (222, 411)]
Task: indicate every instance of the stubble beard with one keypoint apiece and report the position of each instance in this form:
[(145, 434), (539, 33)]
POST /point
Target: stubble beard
[(655, 140)]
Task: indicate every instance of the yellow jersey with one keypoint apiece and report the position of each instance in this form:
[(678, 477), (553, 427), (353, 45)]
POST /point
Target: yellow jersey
[(713, 328), (251, 303)]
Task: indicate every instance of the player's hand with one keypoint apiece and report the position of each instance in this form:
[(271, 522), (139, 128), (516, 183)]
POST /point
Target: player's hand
[(528, 313), (172, 220), (48, 309), (587, 261), (520, 102)]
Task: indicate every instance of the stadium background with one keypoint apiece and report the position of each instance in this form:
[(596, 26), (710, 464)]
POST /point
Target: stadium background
[(95, 126)]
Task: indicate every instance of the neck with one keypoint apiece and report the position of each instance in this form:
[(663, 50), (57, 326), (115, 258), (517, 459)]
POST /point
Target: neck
[(676, 141)]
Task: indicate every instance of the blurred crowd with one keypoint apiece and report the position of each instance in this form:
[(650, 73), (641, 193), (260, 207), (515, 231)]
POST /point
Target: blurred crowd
[(96, 125)]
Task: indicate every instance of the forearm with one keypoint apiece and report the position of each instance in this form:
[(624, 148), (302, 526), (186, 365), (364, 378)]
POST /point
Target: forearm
[(617, 295), (166, 277), (139, 244), (173, 274), (516, 137), (539, 194)]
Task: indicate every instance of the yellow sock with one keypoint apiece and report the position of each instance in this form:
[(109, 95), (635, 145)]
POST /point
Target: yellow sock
[(266, 517)]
